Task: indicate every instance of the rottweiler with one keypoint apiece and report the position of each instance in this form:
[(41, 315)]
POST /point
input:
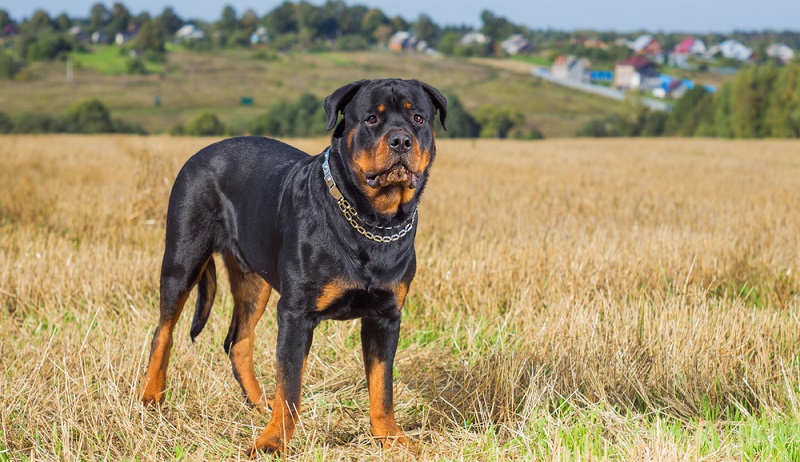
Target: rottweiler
[(332, 233)]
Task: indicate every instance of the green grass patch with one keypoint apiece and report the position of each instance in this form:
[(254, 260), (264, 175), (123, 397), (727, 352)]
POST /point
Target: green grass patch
[(538, 60), (110, 60)]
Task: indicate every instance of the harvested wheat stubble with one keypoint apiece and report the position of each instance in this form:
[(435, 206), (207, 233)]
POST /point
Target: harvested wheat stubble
[(633, 299)]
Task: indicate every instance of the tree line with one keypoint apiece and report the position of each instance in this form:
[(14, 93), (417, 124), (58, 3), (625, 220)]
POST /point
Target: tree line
[(302, 25), (303, 117)]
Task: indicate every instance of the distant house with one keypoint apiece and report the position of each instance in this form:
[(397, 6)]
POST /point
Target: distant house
[(189, 32), (260, 35), (80, 34), (516, 44), (645, 45), (781, 52), (126, 36), (690, 46), (403, 40), (672, 87), (636, 72), (570, 68), (473, 38), (9, 30), (733, 49), (595, 43), (101, 38)]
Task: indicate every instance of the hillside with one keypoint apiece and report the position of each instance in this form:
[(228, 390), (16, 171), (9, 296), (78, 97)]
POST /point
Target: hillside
[(193, 81)]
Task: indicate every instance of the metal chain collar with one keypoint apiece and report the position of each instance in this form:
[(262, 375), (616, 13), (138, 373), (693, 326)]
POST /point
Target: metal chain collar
[(351, 215)]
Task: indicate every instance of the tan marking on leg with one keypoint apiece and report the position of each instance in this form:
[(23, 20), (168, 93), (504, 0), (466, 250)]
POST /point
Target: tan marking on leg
[(381, 408), (331, 292), (155, 379), (279, 430), (400, 292), (250, 295)]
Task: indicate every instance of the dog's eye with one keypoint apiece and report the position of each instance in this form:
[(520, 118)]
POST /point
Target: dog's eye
[(418, 119), (372, 120)]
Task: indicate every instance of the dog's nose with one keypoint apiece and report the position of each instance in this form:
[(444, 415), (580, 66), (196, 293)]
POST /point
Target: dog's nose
[(399, 142)]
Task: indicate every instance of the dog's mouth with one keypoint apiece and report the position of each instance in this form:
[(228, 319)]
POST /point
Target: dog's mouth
[(396, 174)]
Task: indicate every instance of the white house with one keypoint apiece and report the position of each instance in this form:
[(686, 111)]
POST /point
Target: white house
[(516, 44), (735, 49), (570, 68), (260, 35), (780, 51), (189, 32), (473, 37)]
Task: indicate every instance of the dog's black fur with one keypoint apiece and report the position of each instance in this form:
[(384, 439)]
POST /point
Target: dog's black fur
[(265, 207)]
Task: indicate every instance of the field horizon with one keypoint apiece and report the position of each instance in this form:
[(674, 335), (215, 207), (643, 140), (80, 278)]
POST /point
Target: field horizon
[(575, 299)]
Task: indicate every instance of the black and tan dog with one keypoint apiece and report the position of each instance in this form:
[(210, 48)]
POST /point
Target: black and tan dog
[(332, 233)]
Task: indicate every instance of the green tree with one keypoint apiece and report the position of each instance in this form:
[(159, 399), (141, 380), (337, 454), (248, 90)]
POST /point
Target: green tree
[(249, 23), (40, 22), (460, 124), (448, 43), (37, 123), (633, 115), (120, 19), (99, 16), (6, 66), (282, 20), (48, 46), (170, 21), (689, 111), (722, 121), (654, 124), (497, 121), (5, 19), (205, 124), (303, 117), (63, 23), (750, 92), (373, 19), (6, 125), (783, 115), (90, 116), (150, 38), (495, 27), (426, 29)]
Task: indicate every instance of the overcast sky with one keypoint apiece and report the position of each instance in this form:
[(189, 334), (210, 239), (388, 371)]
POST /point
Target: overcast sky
[(620, 15)]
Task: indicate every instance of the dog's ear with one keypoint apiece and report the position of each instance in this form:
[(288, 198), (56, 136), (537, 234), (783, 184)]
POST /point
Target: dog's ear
[(438, 100), (336, 101)]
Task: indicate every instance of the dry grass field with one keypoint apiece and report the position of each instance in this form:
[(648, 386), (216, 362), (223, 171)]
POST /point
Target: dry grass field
[(575, 300)]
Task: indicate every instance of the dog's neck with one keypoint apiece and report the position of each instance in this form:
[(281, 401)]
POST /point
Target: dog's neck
[(372, 226)]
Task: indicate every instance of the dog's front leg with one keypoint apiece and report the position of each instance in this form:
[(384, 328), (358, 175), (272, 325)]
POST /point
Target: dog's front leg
[(379, 338), (294, 340)]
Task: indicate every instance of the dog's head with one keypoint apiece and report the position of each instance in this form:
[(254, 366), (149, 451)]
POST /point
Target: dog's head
[(386, 138)]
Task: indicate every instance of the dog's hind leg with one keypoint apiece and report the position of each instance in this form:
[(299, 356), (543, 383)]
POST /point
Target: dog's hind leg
[(181, 268), (250, 296)]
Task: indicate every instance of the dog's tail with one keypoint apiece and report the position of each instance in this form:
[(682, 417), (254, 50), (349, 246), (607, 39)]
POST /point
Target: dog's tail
[(206, 290)]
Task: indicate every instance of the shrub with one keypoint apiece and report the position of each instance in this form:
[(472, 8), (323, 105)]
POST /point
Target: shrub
[(37, 123), (205, 124), (135, 66), (90, 116), (49, 46), (497, 121), (6, 125), (6, 66), (304, 117), (460, 123)]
